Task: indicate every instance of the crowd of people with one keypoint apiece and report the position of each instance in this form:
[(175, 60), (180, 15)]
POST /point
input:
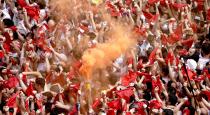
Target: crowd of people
[(167, 71)]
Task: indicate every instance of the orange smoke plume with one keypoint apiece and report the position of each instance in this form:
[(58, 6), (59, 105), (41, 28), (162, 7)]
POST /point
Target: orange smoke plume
[(105, 53)]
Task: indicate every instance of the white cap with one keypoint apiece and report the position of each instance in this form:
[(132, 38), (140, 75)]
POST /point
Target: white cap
[(191, 64), (144, 105), (197, 18)]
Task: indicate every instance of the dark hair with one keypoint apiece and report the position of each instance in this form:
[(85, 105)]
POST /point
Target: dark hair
[(169, 83), (172, 90), (8, 22), (34, 27), (40, 81), (30, 34), (147, 96), (15, 35), (208, 35), (144, 59), (168, 112), (205, 48), (192, 110), (41, 4), (165, 70), (164, 52), (56, 111), (173, 99), (198, 45), (48, 107)]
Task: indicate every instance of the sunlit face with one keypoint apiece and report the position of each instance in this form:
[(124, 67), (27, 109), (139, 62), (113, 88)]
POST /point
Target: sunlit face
[(191, 51), (20, 15), (30, 53)]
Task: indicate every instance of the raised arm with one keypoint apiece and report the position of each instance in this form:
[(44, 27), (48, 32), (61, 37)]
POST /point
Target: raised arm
[(62, 57), (36, 73), (171, 75), (177, 107), (26, 20)]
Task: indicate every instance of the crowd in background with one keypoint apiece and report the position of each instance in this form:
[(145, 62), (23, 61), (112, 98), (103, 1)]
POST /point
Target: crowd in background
[(167, 71)]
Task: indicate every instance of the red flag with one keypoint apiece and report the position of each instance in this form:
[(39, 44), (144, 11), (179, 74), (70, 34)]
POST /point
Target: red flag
[(187, 103), (22, 3), (173, 38), (140, 64), (155, 104), (13, 28), (83, 29), (177, 61), (200, 5), (41, 42), (147, 76), (206, 72), (186, 112), (11, 82), (11, 102), (110, 112), (29, 90), (110, 5), (7, 47), (128, 2), (157, 83), (130, 60), (187, 42), (152, 56), (164, 39), (150, 17), (127, 79), (71, 74), (151, 2), (125, 94), (33, 12), (178, 6), (140, 108), (163, 3), (115, 104), (139, 30), (73, 111), (75, 87), (39, 103), (200, 78), (96, 103), (207, 93), (109, 94), (134, 10), (183, 52), (77, 64), (115, 13), (128, 113), (208, 14), (24, 78), (191, 73), (170, 58), (176, 36), (1, 54)]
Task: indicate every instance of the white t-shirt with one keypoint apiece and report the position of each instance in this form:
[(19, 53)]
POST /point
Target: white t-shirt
[(5, 14), (21, 27), (144, 47), (202, 62), (42, 67)]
